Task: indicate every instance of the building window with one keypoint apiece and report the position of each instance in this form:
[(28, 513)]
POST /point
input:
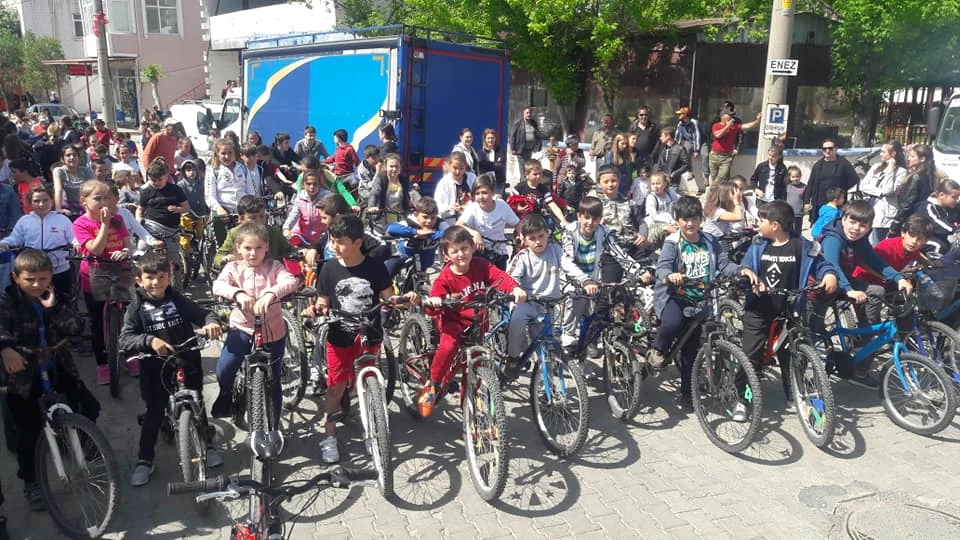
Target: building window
[(78, 25), (119, 19), (163, 16)]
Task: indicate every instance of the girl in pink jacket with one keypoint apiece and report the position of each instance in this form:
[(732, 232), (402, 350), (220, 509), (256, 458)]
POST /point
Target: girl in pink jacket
[(304, 220), (256, 285)]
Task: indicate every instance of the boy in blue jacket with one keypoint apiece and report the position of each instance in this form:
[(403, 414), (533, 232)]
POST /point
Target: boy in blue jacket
[(845, 246), (423, 232), (688, 253), (783, 260)]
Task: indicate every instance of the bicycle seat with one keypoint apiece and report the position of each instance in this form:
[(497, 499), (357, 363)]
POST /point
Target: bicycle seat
[(305, 292), (267, 445)]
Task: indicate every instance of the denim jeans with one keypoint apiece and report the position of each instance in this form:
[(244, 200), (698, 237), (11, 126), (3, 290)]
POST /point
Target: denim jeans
[(235, 348)]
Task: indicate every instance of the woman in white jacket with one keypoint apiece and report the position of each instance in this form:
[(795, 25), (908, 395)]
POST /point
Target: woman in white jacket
[(466, 147), (880, 186)]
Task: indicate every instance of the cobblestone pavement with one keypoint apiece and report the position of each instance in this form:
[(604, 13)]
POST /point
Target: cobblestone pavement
[(657, 477)]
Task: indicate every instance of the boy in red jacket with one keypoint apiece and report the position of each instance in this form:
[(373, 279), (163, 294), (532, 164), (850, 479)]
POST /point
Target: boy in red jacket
[(464, 276), (344, 158)]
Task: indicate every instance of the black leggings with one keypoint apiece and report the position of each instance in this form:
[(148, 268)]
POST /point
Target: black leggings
[(95, 311)]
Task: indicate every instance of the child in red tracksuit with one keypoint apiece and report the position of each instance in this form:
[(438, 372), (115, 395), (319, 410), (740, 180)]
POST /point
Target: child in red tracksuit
[(344, 158), (464, 276)]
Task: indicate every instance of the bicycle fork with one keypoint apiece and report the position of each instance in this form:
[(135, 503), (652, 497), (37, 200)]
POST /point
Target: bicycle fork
[(368, 371)]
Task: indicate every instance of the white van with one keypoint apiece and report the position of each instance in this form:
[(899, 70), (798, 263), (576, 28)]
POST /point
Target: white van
[(946, 146), (197, 120)]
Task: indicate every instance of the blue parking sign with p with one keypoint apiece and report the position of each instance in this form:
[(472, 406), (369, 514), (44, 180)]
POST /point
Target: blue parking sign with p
[(777, 115), (776, 119)]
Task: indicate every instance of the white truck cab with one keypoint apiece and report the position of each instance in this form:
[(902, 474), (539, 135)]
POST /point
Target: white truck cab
[(946, 146)]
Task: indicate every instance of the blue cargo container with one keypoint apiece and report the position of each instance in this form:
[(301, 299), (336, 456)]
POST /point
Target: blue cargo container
[(428, 84)]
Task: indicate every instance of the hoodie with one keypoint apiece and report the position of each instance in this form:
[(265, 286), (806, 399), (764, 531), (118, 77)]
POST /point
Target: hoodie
[(269, 277), (171, 318), (811, 264), (846, 255), (304, 217), (669, 262), (50, 231)]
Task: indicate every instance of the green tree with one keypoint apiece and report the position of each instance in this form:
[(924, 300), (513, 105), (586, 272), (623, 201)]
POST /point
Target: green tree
[(9, 21), (906, 43), (37, 78), (152, 74), (11, 50)]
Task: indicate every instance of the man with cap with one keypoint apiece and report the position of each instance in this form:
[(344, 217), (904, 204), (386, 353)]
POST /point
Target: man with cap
[(163, 144), (726, 133), (688, 135)]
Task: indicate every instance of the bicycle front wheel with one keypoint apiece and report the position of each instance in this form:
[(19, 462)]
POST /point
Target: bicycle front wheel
[(295, 371), (558, 397), (940, 343), (485, 434), (731, 314), (192, 450), (726, 395), (923, 399), (413, 358), (112, 319), (378, 445), (812, 395), (623, 378), (84, 502)]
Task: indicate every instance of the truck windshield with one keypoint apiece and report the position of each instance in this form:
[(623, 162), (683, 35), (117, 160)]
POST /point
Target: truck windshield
[(948, 140), (231, 111)]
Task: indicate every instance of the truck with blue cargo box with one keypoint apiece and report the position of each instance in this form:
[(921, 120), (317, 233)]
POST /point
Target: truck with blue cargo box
[(429, 84)]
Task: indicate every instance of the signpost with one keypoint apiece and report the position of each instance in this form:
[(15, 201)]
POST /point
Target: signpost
[(775, 120), (782, 66), (79, 70)]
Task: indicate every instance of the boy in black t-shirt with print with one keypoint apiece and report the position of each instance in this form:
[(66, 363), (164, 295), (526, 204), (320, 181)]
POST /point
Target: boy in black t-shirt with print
[(351, 283), (783, 260)]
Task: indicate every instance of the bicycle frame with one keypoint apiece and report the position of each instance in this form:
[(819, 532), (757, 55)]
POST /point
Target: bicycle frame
[(51, 405), (884, 333), (545, 339)]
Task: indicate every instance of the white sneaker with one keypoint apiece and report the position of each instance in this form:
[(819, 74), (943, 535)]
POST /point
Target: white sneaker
[(329, 453), (739, 413), (141, 473)]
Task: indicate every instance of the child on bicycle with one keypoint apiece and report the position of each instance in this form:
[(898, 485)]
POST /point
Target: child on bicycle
[(486, 218), (44, 229), (836, 198), (540, 269), (344, 158), (192, 185), (617, 218), (101, 232), (160, 317), (899, 251), (423, 231), (462, 277), (335, 205), (585, 242), (33, 317), (687, 254), (304, 219), (845, 245), (941, 209), (252, 209), (256, 284), (351, 282), (161, 204), (780, 259)]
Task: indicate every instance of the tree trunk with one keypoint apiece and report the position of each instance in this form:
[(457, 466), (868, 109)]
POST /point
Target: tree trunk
[(156, 94), (866, 113)]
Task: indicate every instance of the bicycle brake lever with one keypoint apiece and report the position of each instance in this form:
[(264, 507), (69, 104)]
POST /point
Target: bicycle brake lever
[(229, 494)]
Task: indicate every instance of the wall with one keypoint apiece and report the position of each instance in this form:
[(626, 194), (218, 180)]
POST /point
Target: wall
[(222, 66)]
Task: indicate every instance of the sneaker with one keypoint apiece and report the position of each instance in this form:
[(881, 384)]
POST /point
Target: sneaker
[(655, 359), (685, 402), (790, 407), (329, 453), (141, 473), (103, 375), (427, 399), (590, 371), (133, 367), (221, 406), (34, 496), (739, 413), (214, 459), (511, 369), (865, 379)]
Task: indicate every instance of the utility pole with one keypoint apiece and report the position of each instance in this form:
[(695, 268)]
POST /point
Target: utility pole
[(108, 108), (775, 86)]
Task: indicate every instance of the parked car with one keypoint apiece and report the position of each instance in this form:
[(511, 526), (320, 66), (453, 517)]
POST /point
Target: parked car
[(57, 110)]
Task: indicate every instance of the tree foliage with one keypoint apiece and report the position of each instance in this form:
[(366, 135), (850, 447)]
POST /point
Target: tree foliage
[(152, 74), (11, 49), (38, 78)]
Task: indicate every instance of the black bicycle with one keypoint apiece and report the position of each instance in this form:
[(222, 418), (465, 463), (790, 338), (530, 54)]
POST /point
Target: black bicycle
[(265, 520)]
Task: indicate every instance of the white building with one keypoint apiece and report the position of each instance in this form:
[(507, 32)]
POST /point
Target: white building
[(139, 32)]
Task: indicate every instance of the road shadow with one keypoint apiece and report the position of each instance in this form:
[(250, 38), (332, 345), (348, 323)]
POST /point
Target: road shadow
[(659, 410), (773, 446), (424, 481), (609, 444)]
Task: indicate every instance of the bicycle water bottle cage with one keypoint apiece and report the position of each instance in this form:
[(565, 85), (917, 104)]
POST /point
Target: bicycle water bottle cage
[(267, 445)]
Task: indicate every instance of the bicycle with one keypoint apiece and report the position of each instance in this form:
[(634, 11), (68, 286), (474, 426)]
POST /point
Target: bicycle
[(484, 411), (185, 418), (116, 289), (77, 470), (924, 388), (265, 521), (809, 383), (722, 378), (193, 240), (623, 371), (370, 398), (562, 414)]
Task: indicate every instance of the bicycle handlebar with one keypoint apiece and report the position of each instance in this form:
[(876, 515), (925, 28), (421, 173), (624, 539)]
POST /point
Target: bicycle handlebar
[(220, 486)]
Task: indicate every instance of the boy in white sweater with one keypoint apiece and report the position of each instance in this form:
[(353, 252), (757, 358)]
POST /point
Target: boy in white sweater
[(539, 269)]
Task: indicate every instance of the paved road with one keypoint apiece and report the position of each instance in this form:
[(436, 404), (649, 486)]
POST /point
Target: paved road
[(656, 478)]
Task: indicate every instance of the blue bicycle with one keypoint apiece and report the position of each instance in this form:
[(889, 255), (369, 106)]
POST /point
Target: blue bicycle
[(558, 390), (917, 393)]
